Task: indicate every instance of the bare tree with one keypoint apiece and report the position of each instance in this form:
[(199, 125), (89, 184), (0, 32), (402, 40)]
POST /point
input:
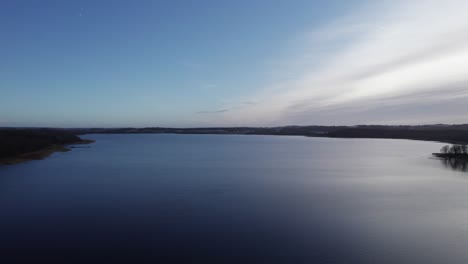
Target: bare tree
[(445, 149), (456, 149), (464, 149)]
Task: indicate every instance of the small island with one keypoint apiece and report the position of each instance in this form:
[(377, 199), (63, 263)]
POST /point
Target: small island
[(458, 152)]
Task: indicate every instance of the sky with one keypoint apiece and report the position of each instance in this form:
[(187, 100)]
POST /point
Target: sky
[(147, 63)]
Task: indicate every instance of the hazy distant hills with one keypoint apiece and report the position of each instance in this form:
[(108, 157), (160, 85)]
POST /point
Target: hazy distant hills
[(438, 132)]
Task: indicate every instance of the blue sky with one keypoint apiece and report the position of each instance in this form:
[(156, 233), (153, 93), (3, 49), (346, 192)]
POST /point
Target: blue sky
[(231, 63)]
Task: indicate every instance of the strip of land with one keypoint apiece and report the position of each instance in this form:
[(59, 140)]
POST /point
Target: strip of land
[(24, 144), (459, 156), (455, 134)]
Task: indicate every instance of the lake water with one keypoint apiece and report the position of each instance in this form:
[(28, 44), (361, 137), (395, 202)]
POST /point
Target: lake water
[(235, 199)]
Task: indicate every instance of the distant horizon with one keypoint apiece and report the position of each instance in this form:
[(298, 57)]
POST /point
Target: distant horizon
[(142, 127)]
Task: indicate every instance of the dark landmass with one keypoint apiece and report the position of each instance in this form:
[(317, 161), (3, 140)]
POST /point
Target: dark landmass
[(449, 134), (454, 157), (442, 133), (23, 144)]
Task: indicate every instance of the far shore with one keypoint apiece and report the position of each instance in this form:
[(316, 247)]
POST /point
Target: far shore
[(454, 134)]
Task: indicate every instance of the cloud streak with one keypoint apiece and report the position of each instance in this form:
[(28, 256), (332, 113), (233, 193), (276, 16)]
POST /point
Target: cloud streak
[(409, 55), (214, 111)]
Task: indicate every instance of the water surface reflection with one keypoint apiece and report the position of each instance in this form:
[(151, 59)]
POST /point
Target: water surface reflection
[(455, 164), (235, 199)]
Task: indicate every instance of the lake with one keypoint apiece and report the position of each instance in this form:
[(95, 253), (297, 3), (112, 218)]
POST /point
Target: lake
[(155, 198)]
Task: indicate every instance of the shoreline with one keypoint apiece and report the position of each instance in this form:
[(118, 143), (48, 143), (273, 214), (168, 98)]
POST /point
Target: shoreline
[(446, 141), (47, 151), (458, 156), (42, 153)]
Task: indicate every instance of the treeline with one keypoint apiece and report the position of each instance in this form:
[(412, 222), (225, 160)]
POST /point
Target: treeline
[(285, 130), (439, 132), (456, 155), (17, 141), (443, 135), (455, 149)]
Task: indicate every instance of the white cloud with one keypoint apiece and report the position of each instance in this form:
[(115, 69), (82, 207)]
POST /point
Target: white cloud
[(405, 54)]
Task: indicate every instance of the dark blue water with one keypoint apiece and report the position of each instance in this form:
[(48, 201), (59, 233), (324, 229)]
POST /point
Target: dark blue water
[(235, 199)]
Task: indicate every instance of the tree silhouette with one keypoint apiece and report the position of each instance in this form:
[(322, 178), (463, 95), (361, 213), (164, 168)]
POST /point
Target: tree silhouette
[(464, 149), (445, 149)]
